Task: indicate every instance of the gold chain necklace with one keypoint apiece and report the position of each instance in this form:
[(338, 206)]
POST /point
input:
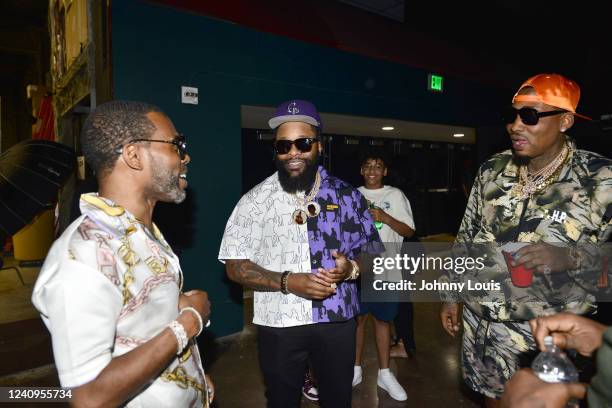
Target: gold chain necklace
[(529, 184), (307, 206)]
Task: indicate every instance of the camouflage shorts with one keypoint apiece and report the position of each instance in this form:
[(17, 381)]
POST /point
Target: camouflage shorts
[(493, 351)]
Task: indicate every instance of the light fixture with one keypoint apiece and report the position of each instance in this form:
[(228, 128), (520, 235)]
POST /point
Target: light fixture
[(388, 128), (458, 134)]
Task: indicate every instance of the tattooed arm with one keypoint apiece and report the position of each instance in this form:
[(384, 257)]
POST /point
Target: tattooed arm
[(251, 275)]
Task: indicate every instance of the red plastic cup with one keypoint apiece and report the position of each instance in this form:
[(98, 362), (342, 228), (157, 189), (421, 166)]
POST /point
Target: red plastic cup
[(521, 276)]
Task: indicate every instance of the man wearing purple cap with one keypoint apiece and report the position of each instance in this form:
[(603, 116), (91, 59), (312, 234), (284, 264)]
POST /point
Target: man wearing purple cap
[(296, 238), (553, 202)]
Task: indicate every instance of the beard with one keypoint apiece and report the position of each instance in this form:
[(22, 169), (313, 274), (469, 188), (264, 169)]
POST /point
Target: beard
[(301, 182), (520, 160), (166, 185)]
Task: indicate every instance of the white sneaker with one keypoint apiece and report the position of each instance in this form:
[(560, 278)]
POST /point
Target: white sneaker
[(357, 371), (388, 382)]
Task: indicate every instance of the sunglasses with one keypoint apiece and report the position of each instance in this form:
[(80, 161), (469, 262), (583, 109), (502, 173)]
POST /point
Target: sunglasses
[(180, 142), (303, 144), (529, 116)]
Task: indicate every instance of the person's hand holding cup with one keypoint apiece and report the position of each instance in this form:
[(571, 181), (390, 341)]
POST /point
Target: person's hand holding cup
[(521, 276)]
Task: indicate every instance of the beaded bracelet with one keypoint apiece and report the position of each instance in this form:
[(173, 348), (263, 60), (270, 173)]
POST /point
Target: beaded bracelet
[(180, 334), (283, 283), (197, 315)]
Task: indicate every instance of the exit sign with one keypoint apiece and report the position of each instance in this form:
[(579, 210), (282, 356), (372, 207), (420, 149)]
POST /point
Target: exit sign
[(435, 83)]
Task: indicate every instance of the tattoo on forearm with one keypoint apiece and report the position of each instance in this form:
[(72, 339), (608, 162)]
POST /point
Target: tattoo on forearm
[(253, 276)]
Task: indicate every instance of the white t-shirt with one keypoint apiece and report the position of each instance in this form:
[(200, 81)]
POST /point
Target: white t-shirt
[(260, 229), (107, 286), (392, 201)]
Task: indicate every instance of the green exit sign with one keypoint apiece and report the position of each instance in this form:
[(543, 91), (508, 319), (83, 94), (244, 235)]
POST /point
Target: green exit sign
[(435, 83)]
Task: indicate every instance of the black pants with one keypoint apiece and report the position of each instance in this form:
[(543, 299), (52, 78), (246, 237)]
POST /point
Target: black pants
[(404, 326), (284, 352)]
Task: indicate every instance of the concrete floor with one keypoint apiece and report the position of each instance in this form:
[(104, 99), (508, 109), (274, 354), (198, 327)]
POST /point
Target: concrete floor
[(431, 378)]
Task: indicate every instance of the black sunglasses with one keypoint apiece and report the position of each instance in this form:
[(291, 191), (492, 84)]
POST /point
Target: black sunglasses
[(303, 144), (529, 116), (180, 142)]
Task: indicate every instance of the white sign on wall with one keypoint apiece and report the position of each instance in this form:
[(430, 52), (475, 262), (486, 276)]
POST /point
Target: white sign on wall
[(189, 95)]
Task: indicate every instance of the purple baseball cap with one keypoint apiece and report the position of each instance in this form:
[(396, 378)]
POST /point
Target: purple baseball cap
[(296, 111)]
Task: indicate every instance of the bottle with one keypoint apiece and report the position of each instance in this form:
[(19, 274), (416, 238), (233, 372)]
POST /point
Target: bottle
[(554, 366), (377, 224)]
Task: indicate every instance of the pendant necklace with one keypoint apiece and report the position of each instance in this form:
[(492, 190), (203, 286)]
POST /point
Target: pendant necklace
[(307, 207), (532, 183)]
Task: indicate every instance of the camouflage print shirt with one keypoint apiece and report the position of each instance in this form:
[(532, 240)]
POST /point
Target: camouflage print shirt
[(570, 211)]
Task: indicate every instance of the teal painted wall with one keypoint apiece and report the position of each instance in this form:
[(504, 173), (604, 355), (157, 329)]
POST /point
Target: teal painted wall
[(157, 49)]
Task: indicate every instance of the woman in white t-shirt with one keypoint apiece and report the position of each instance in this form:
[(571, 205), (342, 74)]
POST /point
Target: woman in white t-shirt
[(392, 214)]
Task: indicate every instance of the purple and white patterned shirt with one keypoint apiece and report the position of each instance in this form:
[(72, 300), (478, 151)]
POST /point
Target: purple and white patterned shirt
[(261, 229)]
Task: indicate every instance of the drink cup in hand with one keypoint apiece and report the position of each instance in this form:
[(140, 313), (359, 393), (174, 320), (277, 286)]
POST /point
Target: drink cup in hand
[(521, 276)]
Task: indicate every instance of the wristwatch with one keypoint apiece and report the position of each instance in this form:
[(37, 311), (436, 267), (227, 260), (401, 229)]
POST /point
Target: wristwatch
[(355, 271)]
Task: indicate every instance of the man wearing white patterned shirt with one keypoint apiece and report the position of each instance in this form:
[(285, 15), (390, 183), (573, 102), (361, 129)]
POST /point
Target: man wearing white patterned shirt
[(295, 239), (110, 290)]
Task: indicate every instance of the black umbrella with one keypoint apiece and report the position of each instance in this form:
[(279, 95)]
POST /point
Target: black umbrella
[(31, 174)]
